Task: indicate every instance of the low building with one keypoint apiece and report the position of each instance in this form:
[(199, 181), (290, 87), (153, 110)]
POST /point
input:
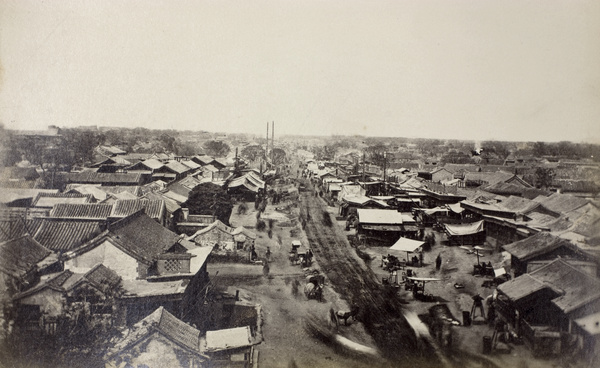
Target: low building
[(158, 340), (224, 238), (542, 307), (543, 247), (136, 247), (385, 225)]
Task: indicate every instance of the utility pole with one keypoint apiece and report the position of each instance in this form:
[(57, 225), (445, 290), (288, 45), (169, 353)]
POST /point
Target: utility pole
[(267, 148), (363, 173), (384, 167), (272, 142)]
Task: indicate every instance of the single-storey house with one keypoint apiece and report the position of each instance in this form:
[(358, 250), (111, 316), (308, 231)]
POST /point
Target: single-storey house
[(543, 306)]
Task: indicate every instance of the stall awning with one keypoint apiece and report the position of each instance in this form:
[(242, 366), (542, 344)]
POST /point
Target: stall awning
[(464, 229), (382, 227), (406, 245)]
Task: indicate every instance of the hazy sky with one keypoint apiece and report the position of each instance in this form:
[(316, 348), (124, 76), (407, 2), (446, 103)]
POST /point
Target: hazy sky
[(506, 70)]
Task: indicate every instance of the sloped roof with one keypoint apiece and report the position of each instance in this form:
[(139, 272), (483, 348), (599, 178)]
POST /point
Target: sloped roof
[(170, 204), (8, 195), (375, 216), (54, 282), (125, 207), (250, 180), (112, 150), (191, 164), (91, 189), (562, 203), (82, 211), (204, 160), (230, 338), (178, 167), (573, 287), (175, 197), (50, 199), (488, 177), (102, 277), (152, 164), (143, 237), (224, 228), (518, 204), (166, 324), (19, 256), (66, 234), (15, 227), (189, 182), (540, 243), (102, 178)]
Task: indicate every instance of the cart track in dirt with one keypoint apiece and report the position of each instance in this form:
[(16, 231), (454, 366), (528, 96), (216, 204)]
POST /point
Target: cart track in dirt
[(381, 310)]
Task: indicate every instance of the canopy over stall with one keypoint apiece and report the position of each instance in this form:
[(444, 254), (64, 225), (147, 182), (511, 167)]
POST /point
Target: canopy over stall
[(464, 229), (472, 233), (406, 245)]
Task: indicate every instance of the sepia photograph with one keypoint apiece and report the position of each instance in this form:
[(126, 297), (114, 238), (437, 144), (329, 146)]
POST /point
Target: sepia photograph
[(298, 184)]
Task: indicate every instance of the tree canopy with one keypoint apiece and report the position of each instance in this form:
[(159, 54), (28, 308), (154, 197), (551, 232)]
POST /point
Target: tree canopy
[(210, 199), (253, 153), (216, 148)]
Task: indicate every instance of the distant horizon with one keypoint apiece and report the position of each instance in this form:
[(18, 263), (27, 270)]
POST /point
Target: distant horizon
[(505, 70), (263, 136)]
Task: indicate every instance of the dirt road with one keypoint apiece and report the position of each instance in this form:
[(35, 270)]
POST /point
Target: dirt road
[(381, 310)]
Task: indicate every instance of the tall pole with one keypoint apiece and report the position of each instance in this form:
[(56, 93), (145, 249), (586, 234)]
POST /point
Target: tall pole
[(267, 148), (363, 173), (272, 141), (384, 164)]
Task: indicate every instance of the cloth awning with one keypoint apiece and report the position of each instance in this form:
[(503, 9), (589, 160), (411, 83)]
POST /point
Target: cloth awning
[(433, 211), (383, 227), (464, 229), (406, 245), (455, 207)]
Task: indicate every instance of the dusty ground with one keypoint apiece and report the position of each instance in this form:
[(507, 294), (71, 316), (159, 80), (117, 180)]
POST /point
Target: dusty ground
[(284, 310), (349, 280)]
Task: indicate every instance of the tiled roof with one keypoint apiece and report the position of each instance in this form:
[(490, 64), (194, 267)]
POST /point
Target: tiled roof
[(178, 167), (102, 277), (14, 194), (116, 189), (21, 255), (81, 211), (64, 235), (562, 203), (171, 205), (123, 208), (152, 164), (49, 200), (573, 287), (166, 324), (11, 228), (92, 177), (535, 245), (488, 177), (142, 236), (191, 164), (224, 228)]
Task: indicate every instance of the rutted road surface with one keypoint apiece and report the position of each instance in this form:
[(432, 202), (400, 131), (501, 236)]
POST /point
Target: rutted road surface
[(381, 310)]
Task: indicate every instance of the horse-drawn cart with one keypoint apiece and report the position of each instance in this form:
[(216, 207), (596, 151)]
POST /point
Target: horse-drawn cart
[(314, 287)]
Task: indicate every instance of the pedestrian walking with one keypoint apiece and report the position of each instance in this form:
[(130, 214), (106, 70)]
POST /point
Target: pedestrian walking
[(477, 304), (438, 262)]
